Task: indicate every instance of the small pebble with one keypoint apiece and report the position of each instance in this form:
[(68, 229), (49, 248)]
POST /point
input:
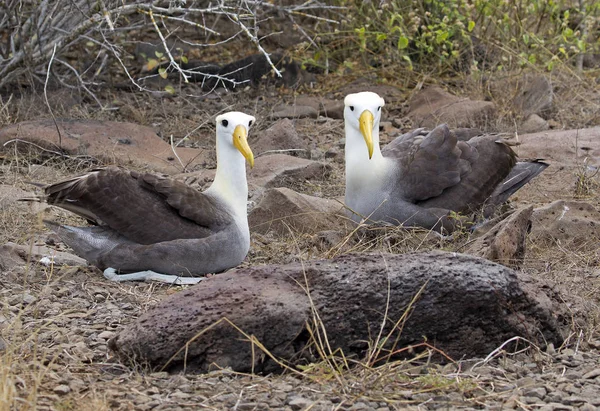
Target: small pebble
[(299, 403), (62, 389)]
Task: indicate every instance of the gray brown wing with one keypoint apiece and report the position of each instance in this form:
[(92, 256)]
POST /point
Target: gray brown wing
[(142, 207), (429, 164), (493, 164)]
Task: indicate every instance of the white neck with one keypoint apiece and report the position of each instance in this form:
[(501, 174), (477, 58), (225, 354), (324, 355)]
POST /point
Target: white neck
[(357, 154), (365, 179), (230, 179)]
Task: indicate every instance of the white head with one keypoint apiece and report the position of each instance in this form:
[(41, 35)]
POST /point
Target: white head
[(232, 134), (362, 113)]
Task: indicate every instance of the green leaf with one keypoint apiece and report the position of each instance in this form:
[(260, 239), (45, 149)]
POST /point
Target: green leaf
[(471, 26), (152, 63), (169, 89), (158, 54), (184, 59), (162, 72), (402, 43), (568, 32), (409, 61), (441, 36), (381, 37), (526, 38)]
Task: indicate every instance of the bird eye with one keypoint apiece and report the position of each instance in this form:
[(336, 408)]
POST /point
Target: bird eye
[(351, 108), (379, 108), (250, 123), (225, 123)]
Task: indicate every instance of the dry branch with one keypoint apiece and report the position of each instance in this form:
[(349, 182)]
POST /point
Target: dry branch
[(33, 32)]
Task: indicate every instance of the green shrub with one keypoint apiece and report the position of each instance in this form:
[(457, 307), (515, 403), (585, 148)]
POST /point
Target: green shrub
[(440, 35)]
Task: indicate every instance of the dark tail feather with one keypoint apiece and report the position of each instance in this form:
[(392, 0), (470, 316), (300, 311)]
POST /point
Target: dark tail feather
[(520, 175)]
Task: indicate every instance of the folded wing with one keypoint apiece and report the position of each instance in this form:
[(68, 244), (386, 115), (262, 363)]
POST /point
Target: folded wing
[(144, 208)]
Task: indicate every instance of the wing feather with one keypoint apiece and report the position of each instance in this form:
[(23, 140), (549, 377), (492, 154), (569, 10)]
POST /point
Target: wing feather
[(142, 207), (429, 164)]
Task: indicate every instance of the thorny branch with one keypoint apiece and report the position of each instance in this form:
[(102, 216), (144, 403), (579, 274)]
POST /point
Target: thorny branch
[(30, 32)]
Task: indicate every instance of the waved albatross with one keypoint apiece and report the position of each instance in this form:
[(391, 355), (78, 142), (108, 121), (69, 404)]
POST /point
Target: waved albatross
[(156, 228), (419, 178)]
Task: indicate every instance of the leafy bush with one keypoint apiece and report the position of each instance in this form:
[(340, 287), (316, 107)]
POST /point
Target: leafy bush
[(438, 35)]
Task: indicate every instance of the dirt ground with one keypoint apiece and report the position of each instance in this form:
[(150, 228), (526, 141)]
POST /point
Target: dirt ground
[(55, 321)]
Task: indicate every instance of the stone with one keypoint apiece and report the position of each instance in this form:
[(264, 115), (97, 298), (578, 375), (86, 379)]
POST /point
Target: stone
[(591, 374), (391, 94), (28, 298), (294, 112), (106, 335), (533, 124), (574, 158), (534, 95), (299, 403), (460, 309), (321, 105), (62, 389), (10, 258), (332, 108), (564, 147), (11, 253), (282, 135), (281, 170), (10, 196), (555, 406), (574, 224), (282, 209), (107, 141), (537, 392), (504, 243), (432, 106)]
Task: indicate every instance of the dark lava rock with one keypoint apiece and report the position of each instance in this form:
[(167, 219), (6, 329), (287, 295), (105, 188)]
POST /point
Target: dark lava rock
[(463, 305)]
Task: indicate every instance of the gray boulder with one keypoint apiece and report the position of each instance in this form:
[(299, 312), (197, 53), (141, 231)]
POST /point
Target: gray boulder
[(503, 242), (533, 124), (535, 95), (282, 135), (113, 142), (465, 306), (572, 224), (13, 255), (433, 106), (280, 170), (282, 209)]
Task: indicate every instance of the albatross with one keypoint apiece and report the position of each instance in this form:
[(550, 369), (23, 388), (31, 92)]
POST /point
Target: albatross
[(155, 228), (421, 177)]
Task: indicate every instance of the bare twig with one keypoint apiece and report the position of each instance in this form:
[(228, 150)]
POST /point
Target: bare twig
[(46, 97)]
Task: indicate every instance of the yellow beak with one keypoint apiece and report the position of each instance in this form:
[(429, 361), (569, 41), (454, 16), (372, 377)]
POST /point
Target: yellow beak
[(366, 128), (240, 141)]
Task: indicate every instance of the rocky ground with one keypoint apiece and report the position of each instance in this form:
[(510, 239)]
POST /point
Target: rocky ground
[(56, 319)]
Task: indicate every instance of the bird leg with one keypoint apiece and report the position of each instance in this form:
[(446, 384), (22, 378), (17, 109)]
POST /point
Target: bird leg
[(111, 274)]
